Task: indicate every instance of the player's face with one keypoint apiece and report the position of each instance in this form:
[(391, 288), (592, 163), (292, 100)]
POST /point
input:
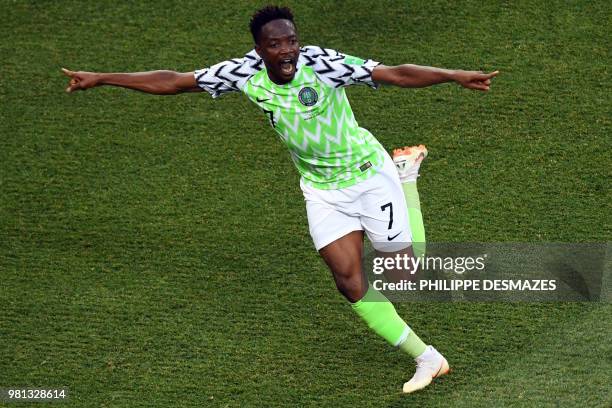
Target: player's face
[(279, 49)]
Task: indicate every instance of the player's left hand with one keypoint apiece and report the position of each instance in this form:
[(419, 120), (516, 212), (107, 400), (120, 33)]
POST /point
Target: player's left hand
[(474, 79)]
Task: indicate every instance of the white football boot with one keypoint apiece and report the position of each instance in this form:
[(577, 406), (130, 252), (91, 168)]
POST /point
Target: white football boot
[(430, 364), (408, 160)]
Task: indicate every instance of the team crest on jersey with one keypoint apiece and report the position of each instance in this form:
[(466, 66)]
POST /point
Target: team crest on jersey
[(308, 96)]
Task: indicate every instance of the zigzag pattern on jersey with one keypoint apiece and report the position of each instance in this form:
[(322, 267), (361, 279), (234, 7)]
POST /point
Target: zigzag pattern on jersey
[(231, 75), (322, 146), (325, 141), (228, 76), (328, 64)]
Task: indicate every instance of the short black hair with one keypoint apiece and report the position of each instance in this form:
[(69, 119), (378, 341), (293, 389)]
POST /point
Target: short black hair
[(264, 15)]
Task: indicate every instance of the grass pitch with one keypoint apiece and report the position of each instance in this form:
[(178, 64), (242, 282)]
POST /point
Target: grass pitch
[(154, 251)]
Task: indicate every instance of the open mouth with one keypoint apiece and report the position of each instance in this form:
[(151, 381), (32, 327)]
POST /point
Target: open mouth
[(287, 66)]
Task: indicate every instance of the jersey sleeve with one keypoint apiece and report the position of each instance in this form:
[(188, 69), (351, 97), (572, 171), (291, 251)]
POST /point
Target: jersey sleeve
[(228, 76), (338, 69)]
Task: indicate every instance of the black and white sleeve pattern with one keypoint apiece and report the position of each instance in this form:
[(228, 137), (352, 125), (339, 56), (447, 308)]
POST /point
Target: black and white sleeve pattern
[(230, 75), (337, 69)]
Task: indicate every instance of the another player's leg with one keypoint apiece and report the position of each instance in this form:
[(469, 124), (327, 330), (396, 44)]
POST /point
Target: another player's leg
[(408, 161)]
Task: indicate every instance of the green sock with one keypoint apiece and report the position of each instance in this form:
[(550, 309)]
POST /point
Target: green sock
[(417, 228), (381, 317), (413, 345)]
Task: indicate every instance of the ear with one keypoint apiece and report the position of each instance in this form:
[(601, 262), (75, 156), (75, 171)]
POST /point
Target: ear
[(258, 49)]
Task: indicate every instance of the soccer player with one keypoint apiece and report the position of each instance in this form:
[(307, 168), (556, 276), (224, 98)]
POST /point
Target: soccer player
[(350, 184)]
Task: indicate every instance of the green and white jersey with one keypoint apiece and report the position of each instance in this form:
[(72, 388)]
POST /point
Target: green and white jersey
[(311, 114)]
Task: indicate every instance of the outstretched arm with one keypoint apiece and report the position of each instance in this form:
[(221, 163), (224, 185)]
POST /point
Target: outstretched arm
[(416, 76), (153, 82)]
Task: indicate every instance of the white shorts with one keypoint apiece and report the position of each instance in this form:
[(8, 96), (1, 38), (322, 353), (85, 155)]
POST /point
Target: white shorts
[(376, 206)]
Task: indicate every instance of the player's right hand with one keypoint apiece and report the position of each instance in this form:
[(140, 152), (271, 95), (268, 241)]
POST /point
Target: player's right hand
[(80, 80)]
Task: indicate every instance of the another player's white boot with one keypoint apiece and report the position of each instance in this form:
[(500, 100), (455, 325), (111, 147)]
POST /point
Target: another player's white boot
[(430, 364), (408, 160)]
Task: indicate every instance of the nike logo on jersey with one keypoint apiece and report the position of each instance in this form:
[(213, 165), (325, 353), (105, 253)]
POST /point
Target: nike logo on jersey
[(260, 100), (393, 237)]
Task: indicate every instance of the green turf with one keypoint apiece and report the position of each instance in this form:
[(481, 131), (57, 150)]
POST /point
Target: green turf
[(154, 251)]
